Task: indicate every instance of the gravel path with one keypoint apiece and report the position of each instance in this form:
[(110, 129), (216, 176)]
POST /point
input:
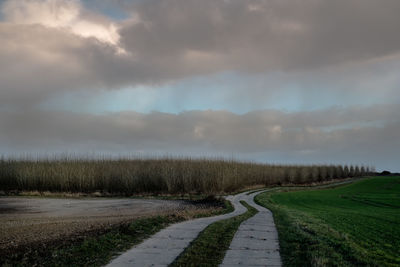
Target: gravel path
[(256, 241), (165, 246)]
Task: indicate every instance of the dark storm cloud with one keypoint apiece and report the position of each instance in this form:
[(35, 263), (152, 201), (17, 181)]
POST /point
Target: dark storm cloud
[(259, 35)]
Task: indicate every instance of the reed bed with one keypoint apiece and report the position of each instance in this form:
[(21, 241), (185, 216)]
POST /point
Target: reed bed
[(129, 176)]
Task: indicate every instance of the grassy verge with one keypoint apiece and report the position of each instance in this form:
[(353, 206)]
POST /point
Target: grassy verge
[(351, 225), (98, 248), (209, 248)]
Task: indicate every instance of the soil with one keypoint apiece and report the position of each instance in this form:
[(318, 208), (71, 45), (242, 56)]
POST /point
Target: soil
[(29, 220)]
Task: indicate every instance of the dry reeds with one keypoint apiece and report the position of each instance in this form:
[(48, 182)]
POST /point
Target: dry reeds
[(158, 176)]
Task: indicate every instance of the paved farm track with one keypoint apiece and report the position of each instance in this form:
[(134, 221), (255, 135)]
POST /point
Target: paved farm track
[(165, 246)]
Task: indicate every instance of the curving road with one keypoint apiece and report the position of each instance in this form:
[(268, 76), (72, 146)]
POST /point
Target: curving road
[(256, 241), (256, 236)]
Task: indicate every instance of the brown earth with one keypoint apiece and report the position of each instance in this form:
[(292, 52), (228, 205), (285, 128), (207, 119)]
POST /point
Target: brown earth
[(30, 220)]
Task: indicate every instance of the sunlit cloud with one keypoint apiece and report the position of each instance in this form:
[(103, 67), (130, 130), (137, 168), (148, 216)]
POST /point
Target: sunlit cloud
[(68, 15)]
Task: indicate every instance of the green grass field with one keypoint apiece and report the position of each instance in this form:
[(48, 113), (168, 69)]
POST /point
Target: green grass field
[(352, 225)]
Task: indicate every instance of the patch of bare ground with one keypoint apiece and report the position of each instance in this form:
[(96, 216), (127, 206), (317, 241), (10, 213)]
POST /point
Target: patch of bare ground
[(29, 225)]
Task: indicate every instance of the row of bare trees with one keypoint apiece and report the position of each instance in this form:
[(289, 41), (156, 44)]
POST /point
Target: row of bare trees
[(160, 176)]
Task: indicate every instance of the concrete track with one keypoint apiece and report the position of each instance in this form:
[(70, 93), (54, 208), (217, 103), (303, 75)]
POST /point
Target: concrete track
[(256, 241), (165, 246)]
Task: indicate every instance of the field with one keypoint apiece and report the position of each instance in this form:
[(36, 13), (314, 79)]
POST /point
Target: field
[(126, 176), (79, 236), (352, 225), (86, 231)]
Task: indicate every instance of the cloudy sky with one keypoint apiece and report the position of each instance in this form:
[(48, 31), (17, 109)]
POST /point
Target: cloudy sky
[(282, 81)]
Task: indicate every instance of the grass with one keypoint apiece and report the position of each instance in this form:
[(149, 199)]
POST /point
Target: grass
[(209, 248), (165, 176), (99, 248), (351, 225), (94, 250)]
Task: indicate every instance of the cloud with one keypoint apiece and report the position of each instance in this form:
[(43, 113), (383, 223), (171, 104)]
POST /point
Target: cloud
[(38, 62), (64, 15), (256, 35), (170, 40), (312, 50), (361, 135)]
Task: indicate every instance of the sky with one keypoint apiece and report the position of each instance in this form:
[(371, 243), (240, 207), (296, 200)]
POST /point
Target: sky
[(277, 81)]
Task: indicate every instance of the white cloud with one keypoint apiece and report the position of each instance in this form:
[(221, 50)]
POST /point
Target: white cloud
[(67, 15)]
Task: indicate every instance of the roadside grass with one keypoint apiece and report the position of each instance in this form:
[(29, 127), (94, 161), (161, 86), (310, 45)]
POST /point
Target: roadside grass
[(99, 248), (209, 248), (350, 225)]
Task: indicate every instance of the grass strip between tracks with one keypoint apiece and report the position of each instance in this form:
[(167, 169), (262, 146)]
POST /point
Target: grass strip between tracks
[(209, 248)]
